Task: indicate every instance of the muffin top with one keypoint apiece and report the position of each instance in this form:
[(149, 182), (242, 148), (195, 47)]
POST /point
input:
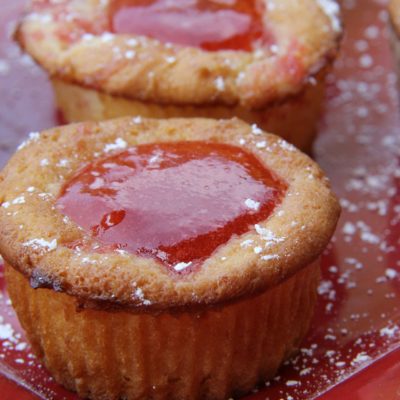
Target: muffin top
[(237, 52), (162, 214)]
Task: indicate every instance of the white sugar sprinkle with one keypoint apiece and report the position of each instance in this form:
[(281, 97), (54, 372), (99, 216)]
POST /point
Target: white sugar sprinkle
[(108, 221), (219, 83), (283, 144), (63, 163), (19, 200), (41, 244), (45, 195), (107, 37), (246, 243), (259, 54), (43, 18), (366, 61), (130, 54), (305, 371), (261, 145), (312, 81), (21, 346), (372, 32), (331, 9), (118, 144), (391, 273), (32, 137), (361, 358), (6, 332), (132, 42), (292, 383), (98, 183), (156, 158), (255, 130), (274, 49), (340, 364), (388, 331), (181, 266), (269, 257), (122, 252), (268, 235), (87, 36), (240, 78), (257, 250), (349, 228), (170, 59), (252, 204), (140, 295), (361, 45)]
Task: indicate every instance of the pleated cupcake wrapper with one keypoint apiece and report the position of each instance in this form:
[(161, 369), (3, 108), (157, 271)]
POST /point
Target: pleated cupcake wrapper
[(209, 355), (294, 120)]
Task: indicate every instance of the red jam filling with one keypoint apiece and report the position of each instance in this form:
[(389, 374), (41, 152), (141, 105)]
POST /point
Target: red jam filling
[(175, 202), (209, 24)]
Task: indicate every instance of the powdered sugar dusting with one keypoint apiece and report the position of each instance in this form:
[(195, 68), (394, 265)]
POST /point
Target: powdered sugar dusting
[(41, 244), (32, 137), (182, 266), (138, 294), (268, 236), (332, 10), (252, 204), (219, 83), (119, 144), (358, 297), (255, 130), (6, 332)]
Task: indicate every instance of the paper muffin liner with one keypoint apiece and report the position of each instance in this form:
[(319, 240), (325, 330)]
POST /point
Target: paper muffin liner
[(294, 120), (209, 354)]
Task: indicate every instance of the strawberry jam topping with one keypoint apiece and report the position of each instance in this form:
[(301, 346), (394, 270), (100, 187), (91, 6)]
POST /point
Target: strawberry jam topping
[(175, 202), (209, 24)]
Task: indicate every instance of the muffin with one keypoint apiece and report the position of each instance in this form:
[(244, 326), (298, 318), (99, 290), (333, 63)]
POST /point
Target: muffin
[(394, 13), (260, 61), (163, 259)]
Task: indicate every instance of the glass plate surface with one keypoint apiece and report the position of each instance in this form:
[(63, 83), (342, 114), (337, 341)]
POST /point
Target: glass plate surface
[(353, 348)]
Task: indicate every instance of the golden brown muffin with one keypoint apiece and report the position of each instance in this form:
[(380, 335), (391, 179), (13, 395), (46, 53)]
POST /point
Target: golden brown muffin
[(116, 322), (394, 13), (102, 70)]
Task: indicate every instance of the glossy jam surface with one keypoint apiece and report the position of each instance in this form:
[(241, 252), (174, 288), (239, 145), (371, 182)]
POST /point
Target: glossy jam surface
[(209, 24), (176, 202)]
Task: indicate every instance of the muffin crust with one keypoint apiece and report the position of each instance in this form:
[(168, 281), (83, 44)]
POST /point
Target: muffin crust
[(63, 38), (35, 237)]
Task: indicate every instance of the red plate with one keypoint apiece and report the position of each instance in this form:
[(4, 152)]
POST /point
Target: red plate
[(353, 348)]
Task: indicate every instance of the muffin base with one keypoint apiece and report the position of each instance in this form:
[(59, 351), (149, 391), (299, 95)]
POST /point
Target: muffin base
[(211, 354), (295, 119)]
